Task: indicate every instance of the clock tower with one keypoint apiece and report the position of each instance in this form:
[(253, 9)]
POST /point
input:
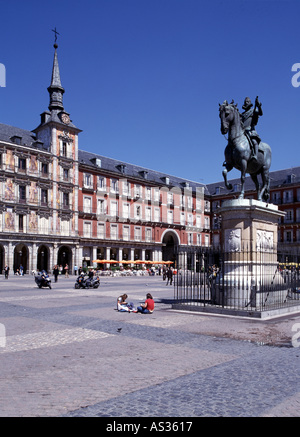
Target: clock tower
[(60, 138)]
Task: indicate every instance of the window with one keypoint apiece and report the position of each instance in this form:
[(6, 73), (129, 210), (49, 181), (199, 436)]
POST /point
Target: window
[(288, 216), (44, 197), (170, 216), (21, 223), (287, 196), (198, 221), (126, 233), (148, 193), (148, 234), (137, 191), (114, 188), (170, 199), (65, 227), (288, 236), (182, 218), (22, 165), (44, 169), (87, 204), (137, 234), (66, 200), (190, 238), (101, 230), (137, 214), (126, 210), (276, 197), (64, 148), (87, 229), (100, 206), (148, 214), (65, 174), (88, 180), (190, 219), (206, 240), (101, 183), (206, 222), (113, 208), (114, 232), (44, 223), (22, 194), (156, 215), (126, 188)]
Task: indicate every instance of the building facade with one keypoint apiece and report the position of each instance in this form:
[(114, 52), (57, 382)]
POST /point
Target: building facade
[(62, 205)]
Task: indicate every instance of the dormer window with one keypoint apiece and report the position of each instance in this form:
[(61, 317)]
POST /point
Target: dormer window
[(166, 180), (16, 139), (96, 161), (144, 174), (290, 178), (121, 168)]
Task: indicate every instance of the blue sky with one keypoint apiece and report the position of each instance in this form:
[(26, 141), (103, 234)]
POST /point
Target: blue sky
[(143, 79)]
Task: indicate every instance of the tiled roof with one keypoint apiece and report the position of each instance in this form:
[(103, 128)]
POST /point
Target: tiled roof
[(278, 178), (7, 132), (135, 171)]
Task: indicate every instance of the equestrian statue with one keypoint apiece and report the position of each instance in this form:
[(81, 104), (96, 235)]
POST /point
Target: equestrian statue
[(245, 151)]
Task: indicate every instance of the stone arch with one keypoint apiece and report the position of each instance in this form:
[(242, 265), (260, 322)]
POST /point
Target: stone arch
[(64, 256), (170, 239), (21, 257), (43, 258)]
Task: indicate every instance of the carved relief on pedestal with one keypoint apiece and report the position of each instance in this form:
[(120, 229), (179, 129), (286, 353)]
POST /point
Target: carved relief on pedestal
[(232, 240), (264, 241)]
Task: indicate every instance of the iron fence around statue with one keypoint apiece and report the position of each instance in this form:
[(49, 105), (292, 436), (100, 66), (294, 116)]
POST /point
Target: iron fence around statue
[(246, 280)]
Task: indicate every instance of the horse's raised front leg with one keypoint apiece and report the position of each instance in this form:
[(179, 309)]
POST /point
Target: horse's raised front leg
[(228, 167)]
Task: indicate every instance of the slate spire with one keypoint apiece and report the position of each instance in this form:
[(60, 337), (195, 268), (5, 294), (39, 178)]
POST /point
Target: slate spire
[(55, 89)]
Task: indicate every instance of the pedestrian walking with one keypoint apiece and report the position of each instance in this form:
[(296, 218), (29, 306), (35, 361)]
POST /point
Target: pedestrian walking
[(66, 271), (169, 276), (55, 272), (6, 271)]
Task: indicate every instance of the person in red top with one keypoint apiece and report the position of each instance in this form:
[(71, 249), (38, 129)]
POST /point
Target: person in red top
[(148, 306)]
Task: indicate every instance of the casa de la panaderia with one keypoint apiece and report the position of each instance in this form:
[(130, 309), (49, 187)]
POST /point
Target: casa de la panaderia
[(66, 206)]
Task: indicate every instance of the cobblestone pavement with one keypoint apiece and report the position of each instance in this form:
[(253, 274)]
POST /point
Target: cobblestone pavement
[(68, 352)]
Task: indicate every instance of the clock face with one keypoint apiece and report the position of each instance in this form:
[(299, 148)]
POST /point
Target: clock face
[(65, 118)]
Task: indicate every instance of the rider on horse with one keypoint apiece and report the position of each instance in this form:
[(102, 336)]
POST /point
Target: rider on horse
[(250, 118)]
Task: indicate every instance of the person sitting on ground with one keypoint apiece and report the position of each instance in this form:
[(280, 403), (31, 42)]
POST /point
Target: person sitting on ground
[(148, 306), (124, 306)]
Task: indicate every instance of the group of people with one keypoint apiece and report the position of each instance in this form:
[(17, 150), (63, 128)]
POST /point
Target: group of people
[(145, 308), (59, 270)]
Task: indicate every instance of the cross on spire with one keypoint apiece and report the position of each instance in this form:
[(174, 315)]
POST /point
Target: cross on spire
[(56, 33)]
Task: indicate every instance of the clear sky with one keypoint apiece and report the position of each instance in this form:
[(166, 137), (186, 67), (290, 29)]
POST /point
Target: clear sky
[(143, 79)]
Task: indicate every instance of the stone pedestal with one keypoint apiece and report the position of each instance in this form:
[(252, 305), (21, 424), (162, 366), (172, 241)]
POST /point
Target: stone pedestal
[(249, 245)]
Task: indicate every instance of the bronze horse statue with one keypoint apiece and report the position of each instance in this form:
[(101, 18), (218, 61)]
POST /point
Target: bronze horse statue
[(238, 153)]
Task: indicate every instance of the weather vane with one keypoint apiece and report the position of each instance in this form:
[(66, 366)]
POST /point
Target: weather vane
[(56, 33)]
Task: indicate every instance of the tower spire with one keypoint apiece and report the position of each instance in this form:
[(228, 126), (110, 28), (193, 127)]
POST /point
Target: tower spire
[(55, 89)]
